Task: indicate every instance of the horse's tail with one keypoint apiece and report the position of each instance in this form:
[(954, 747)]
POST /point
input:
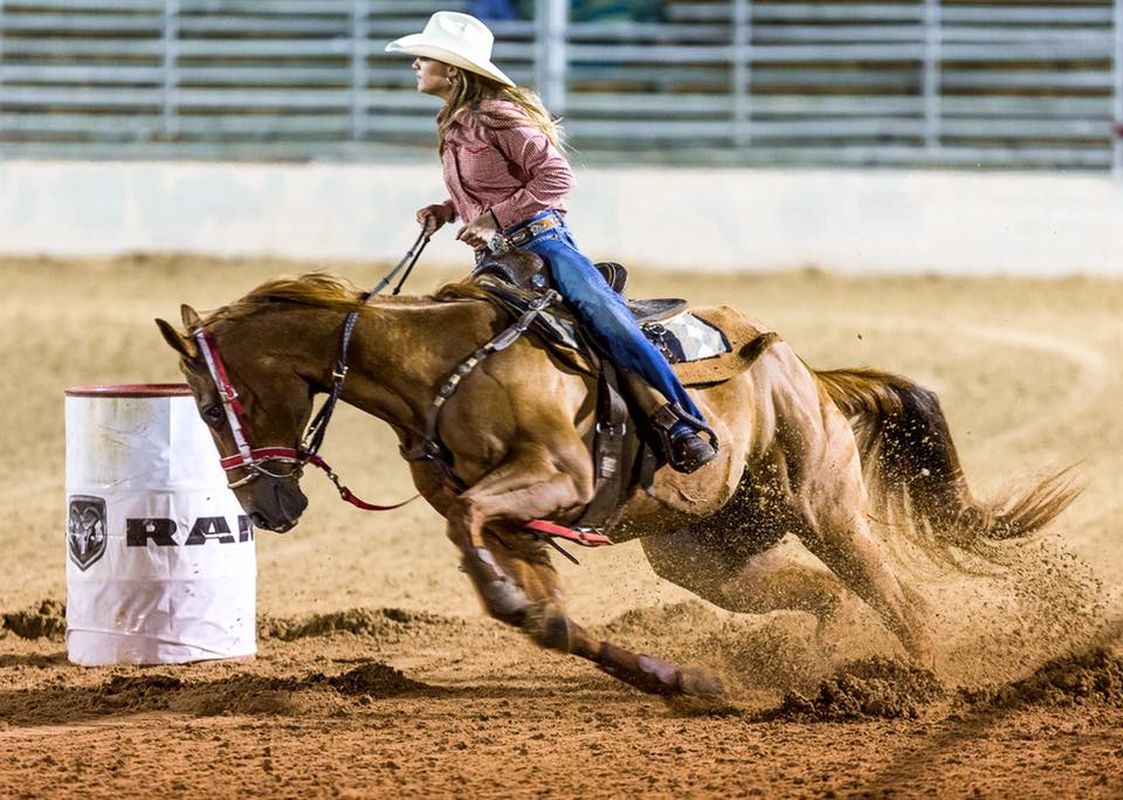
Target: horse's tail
[(912, 465)]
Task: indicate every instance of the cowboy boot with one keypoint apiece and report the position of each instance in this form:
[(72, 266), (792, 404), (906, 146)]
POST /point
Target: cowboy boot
[(678, 432)]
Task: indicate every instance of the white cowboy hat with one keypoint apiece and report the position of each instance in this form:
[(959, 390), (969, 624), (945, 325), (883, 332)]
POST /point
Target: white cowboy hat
[(454, 38)]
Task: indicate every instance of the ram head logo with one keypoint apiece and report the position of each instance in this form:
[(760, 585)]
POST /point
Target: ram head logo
[(85, 530)]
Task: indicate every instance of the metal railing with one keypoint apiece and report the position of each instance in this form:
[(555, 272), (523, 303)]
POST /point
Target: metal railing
[(929, 82)]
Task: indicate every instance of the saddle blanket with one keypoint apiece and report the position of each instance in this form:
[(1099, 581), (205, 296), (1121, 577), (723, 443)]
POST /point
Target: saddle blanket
[(680, 339)]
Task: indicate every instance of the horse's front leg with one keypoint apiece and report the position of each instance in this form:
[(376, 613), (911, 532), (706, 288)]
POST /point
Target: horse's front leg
[(525, 487), (519, 586)]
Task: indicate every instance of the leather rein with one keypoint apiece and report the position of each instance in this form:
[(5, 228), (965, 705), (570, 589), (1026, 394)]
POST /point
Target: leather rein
[(256, 461)]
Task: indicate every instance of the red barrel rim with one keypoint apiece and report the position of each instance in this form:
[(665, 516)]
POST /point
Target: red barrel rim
[(131, 390)]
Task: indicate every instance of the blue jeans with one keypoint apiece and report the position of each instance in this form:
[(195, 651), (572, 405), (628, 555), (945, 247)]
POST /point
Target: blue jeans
[(603, 312)]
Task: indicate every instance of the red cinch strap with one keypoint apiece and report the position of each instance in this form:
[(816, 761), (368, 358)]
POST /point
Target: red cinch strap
[(553, 529)]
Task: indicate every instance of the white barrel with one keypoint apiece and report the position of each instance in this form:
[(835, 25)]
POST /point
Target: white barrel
[(160, 562)]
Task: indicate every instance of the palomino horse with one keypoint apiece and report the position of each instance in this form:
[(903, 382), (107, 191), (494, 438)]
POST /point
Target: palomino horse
[(518, 431)]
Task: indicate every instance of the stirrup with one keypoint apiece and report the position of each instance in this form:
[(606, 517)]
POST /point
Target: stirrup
[(663, 421)]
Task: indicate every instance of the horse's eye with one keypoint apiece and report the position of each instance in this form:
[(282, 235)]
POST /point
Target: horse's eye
[(213, 414)]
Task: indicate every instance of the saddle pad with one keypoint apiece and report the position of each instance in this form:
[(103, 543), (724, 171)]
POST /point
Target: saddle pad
[(745, 342), (681, 339), (705, 345), (687, 338)]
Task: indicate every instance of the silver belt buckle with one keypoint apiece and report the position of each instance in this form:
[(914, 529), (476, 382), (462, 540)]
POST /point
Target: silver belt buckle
[(502, 244)]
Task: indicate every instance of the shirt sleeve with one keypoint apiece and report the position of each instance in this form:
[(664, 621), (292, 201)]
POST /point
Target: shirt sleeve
[(550, 177)]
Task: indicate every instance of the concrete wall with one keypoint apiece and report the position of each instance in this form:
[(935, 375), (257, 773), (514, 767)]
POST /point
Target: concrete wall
[(720, 219)]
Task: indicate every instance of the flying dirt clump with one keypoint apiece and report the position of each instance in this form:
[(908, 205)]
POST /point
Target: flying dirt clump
[(873, 688), (44, 621), (1094, 677)]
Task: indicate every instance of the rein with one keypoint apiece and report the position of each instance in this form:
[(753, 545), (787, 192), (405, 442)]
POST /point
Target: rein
[(255, 460)]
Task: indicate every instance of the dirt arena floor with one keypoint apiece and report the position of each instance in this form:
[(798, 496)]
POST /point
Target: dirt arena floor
[(377, 675)]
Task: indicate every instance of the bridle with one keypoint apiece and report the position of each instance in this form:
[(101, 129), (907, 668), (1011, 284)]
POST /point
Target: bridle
[(259, 461)]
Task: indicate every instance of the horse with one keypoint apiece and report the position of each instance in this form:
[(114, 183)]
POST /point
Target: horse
[(807, 452)]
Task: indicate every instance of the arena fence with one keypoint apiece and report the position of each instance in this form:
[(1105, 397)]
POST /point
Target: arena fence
[(915, 82)]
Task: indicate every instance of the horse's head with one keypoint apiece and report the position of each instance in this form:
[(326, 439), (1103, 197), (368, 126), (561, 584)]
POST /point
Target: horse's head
[(272, 407)]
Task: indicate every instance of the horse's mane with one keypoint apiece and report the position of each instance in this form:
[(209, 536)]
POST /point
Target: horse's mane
[(317, 289), (322, 290)]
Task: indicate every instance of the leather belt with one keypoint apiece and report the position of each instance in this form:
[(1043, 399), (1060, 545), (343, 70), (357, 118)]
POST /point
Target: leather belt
[(503, 242)]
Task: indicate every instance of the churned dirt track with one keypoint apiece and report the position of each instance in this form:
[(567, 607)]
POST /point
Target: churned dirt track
[(377, 676)]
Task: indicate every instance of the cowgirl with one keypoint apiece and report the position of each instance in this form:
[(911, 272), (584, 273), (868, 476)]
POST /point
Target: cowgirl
[(504, 170)]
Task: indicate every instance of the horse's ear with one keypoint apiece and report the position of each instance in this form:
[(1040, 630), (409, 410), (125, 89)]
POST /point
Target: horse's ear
[(191, 321), (183, 345)]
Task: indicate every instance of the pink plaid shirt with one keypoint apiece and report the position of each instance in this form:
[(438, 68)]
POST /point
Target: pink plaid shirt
[(511, 168)]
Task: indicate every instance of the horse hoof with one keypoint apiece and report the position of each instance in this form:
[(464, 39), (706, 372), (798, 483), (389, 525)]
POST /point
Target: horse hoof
[(701, 682)]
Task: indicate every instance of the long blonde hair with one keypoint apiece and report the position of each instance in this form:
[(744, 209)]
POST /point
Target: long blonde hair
[(469, 90)]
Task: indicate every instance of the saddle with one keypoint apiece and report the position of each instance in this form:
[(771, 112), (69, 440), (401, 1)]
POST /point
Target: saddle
[(703, 345), (527, 271)]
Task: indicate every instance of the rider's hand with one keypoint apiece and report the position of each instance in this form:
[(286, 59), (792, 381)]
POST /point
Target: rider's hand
[(434, 217), (479, 232)]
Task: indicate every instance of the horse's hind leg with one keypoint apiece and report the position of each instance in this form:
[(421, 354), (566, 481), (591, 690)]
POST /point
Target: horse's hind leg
[(731, 558), (828, 496), (816, 478), (741, 571), (847, 547), (807, 481)]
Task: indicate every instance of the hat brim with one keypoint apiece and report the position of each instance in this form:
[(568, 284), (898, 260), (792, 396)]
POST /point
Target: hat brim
[(416, 45)]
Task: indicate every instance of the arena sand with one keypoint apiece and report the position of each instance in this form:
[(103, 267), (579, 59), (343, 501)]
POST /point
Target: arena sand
[(377, 674)]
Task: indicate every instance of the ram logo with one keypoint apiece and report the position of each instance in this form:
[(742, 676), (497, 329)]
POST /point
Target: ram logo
[(85, 530)]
